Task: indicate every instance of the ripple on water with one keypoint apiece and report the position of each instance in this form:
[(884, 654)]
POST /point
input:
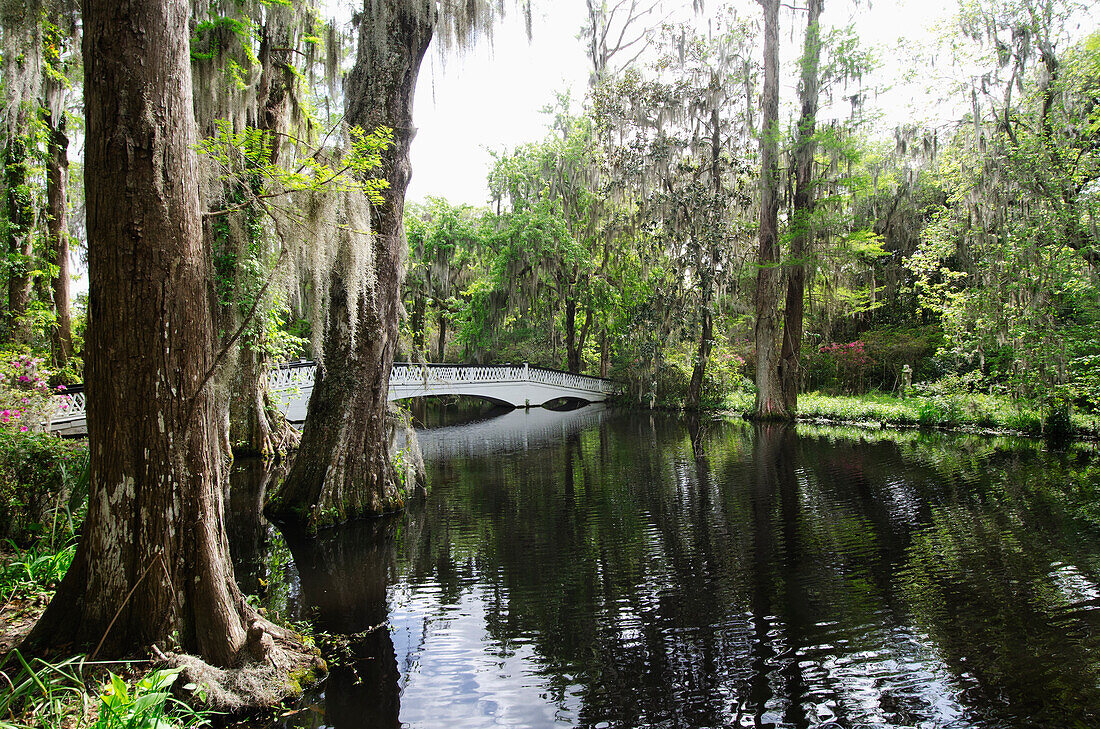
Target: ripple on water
[(633, 572)]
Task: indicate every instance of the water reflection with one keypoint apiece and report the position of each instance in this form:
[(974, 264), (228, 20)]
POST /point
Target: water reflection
[(505, 431), (344, 575), (638, 570)]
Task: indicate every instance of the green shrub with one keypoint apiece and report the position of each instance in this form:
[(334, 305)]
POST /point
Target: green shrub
[(47, 695), (1057, 416), (40, 479), (149, 705)]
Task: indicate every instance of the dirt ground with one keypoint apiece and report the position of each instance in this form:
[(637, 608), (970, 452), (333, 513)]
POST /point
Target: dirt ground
[(17, 617)]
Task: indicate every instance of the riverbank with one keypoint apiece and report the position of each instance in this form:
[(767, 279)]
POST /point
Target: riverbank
[(969, 412)]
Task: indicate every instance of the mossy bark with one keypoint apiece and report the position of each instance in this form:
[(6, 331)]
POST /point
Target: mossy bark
[(769, 397), (342, 468), (152, 566)]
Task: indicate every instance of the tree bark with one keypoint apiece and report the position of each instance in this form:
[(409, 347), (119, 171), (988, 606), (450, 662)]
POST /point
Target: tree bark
[(256, 426), (702, 356), (790, 372), (342, 468), (153, 563), (57, 227), (21, 221), (442, 348), (769, 397)]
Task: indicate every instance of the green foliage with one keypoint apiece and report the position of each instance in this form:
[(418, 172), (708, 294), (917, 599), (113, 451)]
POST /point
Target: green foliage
[(35, 570), (1007, 260), (44, 695), (42, 484), (243, 160), (147, 704)]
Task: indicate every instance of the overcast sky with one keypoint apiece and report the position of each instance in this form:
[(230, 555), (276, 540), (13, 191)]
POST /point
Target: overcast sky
[(492, 96)]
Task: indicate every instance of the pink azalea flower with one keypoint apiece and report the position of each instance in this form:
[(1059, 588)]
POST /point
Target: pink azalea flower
[(23, 429)]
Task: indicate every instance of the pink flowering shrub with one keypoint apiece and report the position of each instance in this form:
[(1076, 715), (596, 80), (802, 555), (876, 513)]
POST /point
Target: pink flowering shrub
[(846, 363), (26, 399)]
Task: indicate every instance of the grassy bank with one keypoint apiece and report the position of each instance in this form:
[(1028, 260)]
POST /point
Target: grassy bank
[(970, 411)]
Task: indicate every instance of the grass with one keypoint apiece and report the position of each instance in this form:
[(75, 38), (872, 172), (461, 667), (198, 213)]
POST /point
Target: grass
[(34, 571), (959, 411), (62, 695)]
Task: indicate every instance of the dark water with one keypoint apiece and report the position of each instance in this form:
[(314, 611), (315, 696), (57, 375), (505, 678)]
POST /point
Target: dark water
[(608, 569)]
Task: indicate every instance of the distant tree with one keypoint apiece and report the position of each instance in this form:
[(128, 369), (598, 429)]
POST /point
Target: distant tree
[(444, 247), (769, 394), (680, 168)]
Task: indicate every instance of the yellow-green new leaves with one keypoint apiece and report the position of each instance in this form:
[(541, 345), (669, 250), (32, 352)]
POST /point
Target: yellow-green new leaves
[(244, 157)]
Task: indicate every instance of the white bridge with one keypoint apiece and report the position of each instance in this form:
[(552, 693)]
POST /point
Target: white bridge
[(291, 385)]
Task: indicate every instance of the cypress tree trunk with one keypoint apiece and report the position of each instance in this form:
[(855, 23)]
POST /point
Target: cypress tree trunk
[(21, 221), (57, 227), (342, 467), (769, 397), (153, 561), (801, 235), (442, 348), (256, 426)]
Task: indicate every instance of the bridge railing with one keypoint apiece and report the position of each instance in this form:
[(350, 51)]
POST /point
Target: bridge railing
[(297, 374), (73, 404)]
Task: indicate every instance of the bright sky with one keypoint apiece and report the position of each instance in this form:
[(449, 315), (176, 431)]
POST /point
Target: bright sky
[(491, 97)]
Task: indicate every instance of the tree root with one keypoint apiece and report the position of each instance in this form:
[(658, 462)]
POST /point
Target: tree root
[(272, 667)]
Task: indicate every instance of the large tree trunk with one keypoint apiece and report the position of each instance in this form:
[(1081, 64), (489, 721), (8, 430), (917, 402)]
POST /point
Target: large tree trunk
[(256, 426), (790, 375), (342, 467), (57, 226), (20, 203), (153, 564), (769, 397)]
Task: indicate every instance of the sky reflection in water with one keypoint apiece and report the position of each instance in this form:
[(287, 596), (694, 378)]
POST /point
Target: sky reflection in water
[(611, 569)]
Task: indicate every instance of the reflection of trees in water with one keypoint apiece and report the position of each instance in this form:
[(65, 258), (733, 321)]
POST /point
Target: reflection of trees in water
[(263, 565), (691, 573), (344, 576), (1011, 612)]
